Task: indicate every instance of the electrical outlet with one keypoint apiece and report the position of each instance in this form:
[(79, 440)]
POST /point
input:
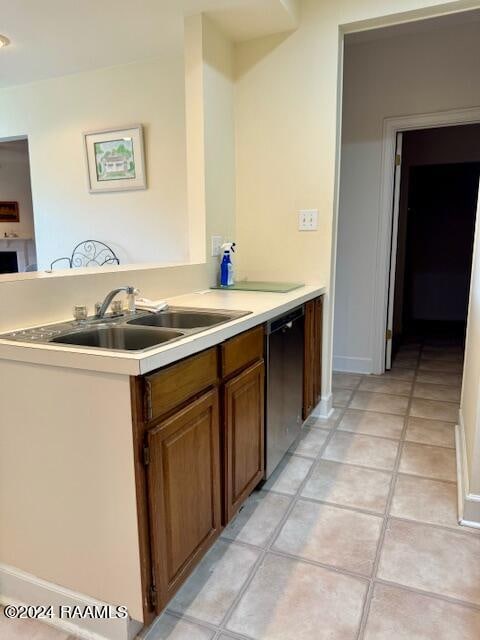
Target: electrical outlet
[(308, 220), (217, 242)]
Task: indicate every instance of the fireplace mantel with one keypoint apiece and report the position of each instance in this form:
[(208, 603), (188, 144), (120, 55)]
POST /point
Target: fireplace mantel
[(23, 248)]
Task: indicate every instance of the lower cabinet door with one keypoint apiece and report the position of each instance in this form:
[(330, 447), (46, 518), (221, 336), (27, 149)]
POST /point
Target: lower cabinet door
[(183, 491), (244, 436)]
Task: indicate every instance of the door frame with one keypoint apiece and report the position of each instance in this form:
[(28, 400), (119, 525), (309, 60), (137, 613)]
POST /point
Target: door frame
[(387, 227), (393, 245)]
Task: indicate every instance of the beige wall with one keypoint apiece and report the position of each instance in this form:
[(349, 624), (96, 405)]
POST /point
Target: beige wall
[(286, 129), (421, 72), (209, 80), (86, 533), (286, 121), (218, 84), (67, 488), (44, 298), (195, 137), (142, 226)]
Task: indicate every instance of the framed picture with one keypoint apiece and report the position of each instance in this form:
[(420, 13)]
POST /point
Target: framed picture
[(9, 212), (115, 159)]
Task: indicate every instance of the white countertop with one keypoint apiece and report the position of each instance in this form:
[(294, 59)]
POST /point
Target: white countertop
[(264, 306)]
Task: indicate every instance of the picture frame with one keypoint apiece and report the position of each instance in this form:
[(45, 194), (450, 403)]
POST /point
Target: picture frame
[(9, 211), (115, 159)]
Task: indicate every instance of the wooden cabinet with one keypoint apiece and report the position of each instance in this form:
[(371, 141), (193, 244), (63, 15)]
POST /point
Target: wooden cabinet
[(184, 497), (244, 461), (242, 350), (199, 452), (170, 387), (199, 438), (312, 373)]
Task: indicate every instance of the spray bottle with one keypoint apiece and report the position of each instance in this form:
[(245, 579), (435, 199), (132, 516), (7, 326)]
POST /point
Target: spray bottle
[(226, 266)]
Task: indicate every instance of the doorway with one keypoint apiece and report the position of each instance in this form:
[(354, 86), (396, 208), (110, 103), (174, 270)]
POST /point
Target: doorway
[(435, 225), (17, 231)]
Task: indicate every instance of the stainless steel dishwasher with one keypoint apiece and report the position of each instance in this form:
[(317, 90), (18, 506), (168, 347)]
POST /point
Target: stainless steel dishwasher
[(284, 384)]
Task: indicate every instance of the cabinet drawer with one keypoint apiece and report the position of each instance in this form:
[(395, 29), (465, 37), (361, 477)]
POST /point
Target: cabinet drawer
[(172, 386), (242, 350)]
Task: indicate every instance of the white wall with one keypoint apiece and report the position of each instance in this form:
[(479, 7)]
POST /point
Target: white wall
[(142, 226), (407, 74)]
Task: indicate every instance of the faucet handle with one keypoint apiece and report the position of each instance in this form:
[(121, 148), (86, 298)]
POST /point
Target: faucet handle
[(117, 307), (129, 290), (80, 312)]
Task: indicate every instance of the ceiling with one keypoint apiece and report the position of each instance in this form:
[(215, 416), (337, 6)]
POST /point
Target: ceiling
[(58, 37), (418, 26), (256, 18)]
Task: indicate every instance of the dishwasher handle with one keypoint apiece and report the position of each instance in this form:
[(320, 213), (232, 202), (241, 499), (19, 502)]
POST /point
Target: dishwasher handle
[(286, 321)]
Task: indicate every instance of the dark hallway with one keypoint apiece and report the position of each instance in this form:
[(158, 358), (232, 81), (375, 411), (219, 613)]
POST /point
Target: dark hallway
[(440, 229), (438, 203)]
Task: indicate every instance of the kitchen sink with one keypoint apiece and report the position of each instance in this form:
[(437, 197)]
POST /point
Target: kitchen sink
[(184, 319), (127, 332), (122, 338)]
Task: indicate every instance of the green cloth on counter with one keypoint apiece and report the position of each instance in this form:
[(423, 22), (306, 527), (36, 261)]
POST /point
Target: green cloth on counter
[(273, 287)]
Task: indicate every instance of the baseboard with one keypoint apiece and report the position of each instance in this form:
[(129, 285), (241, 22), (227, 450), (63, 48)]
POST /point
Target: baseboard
[(468, 503), (352, 365), (324, 408), (20, 588)]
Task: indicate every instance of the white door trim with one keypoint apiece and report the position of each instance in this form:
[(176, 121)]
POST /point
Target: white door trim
[(20, 588), (392, 126), (393, 247)]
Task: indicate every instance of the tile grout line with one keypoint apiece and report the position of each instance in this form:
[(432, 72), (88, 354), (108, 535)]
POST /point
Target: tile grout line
[(393, 483), (295, 497), (276, 531), (348, 573), (263, 551), (429, 594), (388, 517), (359, 466)]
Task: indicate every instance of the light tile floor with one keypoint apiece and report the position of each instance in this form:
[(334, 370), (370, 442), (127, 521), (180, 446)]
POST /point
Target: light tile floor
[(355, 536)]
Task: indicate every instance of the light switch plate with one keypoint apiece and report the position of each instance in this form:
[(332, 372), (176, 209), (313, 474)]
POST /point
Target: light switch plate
[(217, 242), (308, 220)]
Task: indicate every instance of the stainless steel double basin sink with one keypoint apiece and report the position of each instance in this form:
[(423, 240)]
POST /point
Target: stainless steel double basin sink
[(136, 332)]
